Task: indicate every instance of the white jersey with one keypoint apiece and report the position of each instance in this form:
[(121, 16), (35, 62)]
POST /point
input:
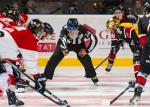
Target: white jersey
[(8, 47)]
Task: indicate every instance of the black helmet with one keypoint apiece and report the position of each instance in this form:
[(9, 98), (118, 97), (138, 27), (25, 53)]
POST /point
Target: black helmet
[(147, 7), (72, 24), (36, 26), (12, 13), (48, 28)]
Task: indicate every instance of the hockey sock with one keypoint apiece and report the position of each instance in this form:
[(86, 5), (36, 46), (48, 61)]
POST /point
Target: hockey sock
[(141, 79), (136, 68), (3, 81)]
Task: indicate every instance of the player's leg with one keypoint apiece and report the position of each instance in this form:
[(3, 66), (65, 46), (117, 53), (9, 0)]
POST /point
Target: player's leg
[(140, 83), (136, 48), (8, 86), (53, 62), (115, 46), (3, 78), (3, 82), (12, 99), (136, 58), (141, 79), (88, 66), (20, 86)]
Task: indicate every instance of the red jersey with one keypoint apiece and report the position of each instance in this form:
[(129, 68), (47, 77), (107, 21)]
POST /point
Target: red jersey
[(23, 18), (23, 36), (27, 45), (6, 21)]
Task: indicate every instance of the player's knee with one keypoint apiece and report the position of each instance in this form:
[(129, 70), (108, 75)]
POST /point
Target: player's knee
[(11, 80)]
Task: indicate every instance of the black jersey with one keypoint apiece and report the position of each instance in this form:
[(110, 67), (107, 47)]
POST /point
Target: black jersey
[(77, 37), (144, 25), (128, 35), (129, 19)]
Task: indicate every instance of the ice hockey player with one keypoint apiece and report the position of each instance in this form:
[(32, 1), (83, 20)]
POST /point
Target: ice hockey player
[(12, 17), (130, 23), (124, 35), (72, 39), (144, 70), (23, 40)]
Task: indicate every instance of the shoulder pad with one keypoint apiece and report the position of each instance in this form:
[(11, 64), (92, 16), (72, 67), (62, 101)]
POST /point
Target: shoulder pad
[(64, 27), (64, 30), (132, 17), (83, 29)]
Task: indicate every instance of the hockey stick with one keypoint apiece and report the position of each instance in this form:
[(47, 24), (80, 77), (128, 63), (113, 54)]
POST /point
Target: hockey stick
[(48, 97), (101, 63), (59, 102), (111, 102), (131, 83)]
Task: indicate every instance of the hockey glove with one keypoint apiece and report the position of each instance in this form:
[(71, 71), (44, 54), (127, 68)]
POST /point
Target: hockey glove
[(40, 83), (82, 52), (65, 52), (20, 62)]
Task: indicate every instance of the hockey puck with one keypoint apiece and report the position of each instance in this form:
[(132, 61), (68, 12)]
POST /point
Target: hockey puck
[(105, 102)]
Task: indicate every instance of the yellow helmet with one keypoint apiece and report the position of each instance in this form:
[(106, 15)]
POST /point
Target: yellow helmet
[(111, 22)]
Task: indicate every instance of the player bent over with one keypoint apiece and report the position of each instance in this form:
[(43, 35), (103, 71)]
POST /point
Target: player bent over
[(12, 17), (144, 71), (124, 35), (24, 40), (72, 39), (126, 20)]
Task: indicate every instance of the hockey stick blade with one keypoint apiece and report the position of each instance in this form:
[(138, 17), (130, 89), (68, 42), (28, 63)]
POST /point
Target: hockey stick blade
[(40, 93), (59, 102)]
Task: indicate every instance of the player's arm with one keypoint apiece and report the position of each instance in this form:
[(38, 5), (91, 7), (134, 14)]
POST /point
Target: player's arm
[(63, 41), (142, 33), (89, 35), (133, 18)]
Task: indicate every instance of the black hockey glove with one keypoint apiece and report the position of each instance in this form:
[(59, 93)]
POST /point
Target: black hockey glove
[(2, 68), (40, 83)]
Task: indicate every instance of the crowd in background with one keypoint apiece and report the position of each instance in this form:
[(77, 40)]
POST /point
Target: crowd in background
[(74, 6)]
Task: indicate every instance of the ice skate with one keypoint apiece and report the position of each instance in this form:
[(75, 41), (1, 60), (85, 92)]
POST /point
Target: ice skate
[(95, 81), (12, 99), (109, 67), (21, 86), (136, 98)]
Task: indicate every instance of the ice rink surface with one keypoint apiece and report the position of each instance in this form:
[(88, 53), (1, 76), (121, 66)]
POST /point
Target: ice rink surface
[(70, 84)]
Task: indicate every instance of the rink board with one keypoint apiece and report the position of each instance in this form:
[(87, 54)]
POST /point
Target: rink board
[(96, 61)]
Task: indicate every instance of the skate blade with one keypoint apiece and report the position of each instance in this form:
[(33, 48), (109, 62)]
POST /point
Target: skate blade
[(20, 90)]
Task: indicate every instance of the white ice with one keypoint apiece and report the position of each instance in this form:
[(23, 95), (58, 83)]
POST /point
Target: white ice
[(70, 84)]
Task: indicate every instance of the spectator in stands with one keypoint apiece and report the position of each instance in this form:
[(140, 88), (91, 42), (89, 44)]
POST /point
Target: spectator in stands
[(99, 7), (30, 7), (73, 9), (138, 7), (128, 3), (16, 5)]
